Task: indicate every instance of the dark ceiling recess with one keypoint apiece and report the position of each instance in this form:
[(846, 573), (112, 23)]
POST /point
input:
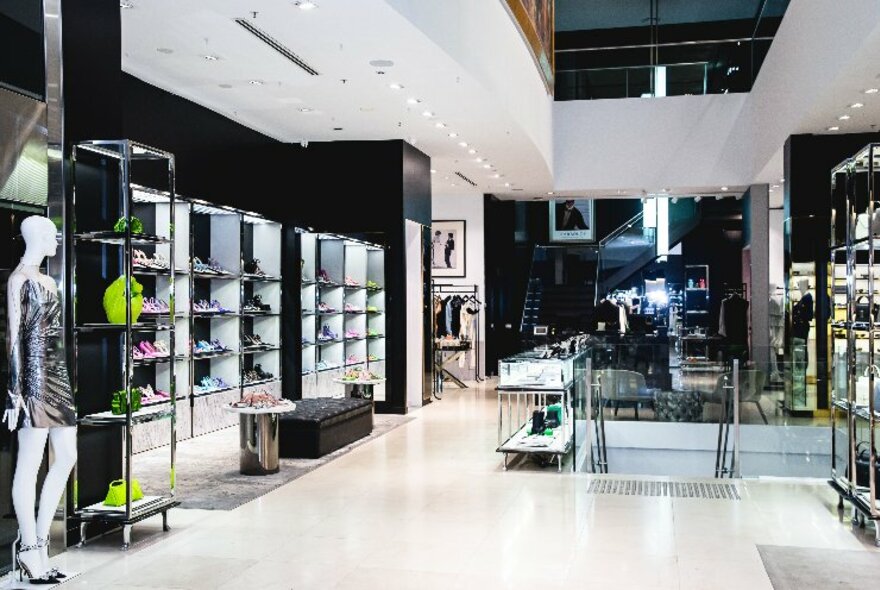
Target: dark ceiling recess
[(276, 45)]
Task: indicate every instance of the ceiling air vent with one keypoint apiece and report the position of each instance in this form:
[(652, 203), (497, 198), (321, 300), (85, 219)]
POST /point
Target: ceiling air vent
[(274, 44), (466, 179)]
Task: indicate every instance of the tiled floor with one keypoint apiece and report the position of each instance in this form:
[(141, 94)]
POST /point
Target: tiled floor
[(428, 506)]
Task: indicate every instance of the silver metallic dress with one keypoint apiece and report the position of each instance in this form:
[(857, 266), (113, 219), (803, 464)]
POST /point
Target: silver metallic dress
[(38, 379)]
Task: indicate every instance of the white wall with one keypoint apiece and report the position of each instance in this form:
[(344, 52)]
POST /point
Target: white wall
[(646, 143), (414, 309), (468, 207), (483, 38), (777, 255)]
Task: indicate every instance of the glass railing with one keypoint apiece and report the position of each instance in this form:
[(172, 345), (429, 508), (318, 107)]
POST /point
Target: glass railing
[(660, 412), (632, 82), (624, 252)]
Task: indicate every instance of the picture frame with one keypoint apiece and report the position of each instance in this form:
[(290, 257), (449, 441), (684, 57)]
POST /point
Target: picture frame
[(446, 261), (577, 226)]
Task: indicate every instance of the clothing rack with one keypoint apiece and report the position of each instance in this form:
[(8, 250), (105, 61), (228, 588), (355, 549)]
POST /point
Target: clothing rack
[(440, 290), (740, 289)]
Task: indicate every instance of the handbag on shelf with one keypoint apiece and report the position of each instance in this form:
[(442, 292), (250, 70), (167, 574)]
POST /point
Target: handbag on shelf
[(119, 403), (863, 308), (116, 492), (114, 301)]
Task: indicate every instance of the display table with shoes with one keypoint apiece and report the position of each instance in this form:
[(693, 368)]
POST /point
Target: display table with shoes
[(259, 429), (360, 388)]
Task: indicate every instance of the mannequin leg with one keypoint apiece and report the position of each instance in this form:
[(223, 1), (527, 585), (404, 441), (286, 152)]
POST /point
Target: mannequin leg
[(63, 440), (31, 444)]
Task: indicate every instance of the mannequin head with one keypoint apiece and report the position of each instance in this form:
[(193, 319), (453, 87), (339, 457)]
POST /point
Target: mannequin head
[(804, 286), (39, 238)]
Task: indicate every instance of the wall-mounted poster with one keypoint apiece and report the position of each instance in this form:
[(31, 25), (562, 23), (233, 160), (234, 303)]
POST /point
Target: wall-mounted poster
[(536, 23), (572, 220), (448, 248)]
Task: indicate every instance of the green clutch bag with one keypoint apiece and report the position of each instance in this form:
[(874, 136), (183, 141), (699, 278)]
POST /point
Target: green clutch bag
[(116, 492), (119, 403), (137, 227), (114, 301)]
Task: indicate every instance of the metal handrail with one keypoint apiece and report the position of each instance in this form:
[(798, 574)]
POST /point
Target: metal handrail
[(622, 229)]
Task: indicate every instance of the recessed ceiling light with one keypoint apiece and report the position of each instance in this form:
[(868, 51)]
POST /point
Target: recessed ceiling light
[(125, 5), (439, 125), (427, 114), (305, 110), (666, 190), (413, 101), (395, 86), (856, 105), (551, 193), (782, 180), (487, 166), (496, 175), (775, 186), (472, 151), (724, 188), (872, 90), (165, 50), (506, 184), (433, 171), (771, 190), (478, 159), (306, 5), (453, 184), (462, 143), (255, 82), (210, 57), (834, 128), (843, 118), (453, 134)]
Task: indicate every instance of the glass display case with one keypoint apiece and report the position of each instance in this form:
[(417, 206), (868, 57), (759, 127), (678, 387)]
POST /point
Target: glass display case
[(530, 370)]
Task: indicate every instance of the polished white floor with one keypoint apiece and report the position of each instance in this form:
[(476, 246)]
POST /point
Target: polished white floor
[(428, 506)]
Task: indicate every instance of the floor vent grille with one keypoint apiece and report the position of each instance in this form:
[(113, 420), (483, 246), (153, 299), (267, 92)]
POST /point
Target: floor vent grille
[(667, 489)]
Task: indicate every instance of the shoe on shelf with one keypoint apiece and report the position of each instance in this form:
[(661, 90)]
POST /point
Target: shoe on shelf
[(328, 334), (373, 333), (353, 334), (349, 308), (372, 358), (252, 267), (136, 353), (216, 268), (161, 348), (350, 282), (324, 308), (373, 285), (200, 267), (372, 309), (323, 277), (353, 360), (261, 374), (258, 302)]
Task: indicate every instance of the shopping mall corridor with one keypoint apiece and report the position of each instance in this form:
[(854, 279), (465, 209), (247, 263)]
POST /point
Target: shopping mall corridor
[(428, 506)]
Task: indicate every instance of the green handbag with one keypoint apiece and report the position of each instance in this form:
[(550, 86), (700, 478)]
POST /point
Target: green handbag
[(137, 226), (116, 492), (119, 403), (114, 301)]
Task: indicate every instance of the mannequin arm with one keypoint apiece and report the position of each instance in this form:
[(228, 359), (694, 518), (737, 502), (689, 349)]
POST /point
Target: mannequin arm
[(14, 399)]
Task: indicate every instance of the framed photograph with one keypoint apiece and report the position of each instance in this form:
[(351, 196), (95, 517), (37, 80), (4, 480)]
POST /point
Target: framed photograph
[(448, 248), (572, 220)]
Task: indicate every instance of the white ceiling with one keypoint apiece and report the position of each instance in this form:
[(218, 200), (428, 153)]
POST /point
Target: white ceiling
[(165, 43)]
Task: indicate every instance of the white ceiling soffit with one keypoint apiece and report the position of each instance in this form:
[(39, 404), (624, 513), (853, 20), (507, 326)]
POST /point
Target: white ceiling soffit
[(196, 49), (822, 59)]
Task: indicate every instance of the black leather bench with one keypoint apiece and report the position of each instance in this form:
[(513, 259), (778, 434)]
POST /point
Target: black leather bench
[(321, 425)]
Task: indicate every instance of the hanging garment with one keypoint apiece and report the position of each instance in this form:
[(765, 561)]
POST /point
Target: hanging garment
[(734, 320), (777, 322), (455, 315), (608, 312), (447, 316), (801, 315)]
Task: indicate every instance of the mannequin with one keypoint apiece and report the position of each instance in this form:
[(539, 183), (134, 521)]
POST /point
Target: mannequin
[(39, 401), (777, 330), (801, 315)]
